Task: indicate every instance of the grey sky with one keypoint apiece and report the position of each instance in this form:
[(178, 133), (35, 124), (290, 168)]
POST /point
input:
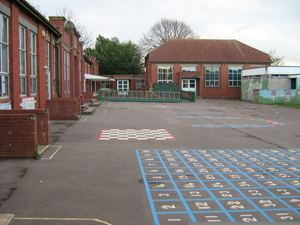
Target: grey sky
[(262, 24)]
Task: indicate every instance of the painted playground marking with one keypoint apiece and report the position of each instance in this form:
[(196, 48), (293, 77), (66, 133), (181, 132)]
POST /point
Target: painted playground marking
[(176, 122), (133, 134), (63, 219), (238, 185)]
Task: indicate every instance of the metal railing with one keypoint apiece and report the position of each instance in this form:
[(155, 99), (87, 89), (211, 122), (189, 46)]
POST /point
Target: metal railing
[(189, 95), (143, 96)]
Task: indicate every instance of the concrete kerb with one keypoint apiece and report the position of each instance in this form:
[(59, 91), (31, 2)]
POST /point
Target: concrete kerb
[(6, 219)]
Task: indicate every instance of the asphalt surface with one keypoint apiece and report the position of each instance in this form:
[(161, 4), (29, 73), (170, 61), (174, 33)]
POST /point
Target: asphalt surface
[(84, 180)]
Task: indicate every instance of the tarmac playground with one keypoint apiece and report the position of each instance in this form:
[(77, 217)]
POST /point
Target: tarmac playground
[(162, 163)]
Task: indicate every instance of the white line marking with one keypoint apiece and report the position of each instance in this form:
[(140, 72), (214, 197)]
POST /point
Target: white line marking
[(170, 111), (174, 220), (106, 108), (53, 153)]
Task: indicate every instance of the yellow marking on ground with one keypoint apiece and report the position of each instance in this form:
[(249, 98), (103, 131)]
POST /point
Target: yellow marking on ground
[(44, 149), (63, 219)]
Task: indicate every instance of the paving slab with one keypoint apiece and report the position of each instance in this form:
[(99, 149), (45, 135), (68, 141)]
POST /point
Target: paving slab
[(83, 179)]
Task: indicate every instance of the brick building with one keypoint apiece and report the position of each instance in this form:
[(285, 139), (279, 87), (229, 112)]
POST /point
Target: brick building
[(41, 60), (212, 68)]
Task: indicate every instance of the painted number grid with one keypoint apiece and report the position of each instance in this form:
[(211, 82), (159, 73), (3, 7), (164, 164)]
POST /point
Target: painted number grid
[(260, 185)]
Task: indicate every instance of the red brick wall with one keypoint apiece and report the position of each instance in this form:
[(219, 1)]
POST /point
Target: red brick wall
[(64, 108), (43, 122), (18, 136)]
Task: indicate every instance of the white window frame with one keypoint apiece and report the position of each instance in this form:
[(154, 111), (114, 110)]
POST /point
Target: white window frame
[(121, 85), (68, 72), (80, 79), (65, 72), (234, 79), (4, 56), (22, 60), (54, 70), (212, 76), (33, 63), (165, 74)]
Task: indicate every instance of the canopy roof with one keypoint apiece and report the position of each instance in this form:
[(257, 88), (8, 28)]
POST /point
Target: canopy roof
[(97, 78)]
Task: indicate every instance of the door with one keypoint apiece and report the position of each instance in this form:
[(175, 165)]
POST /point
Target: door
[(48, 85), (189, 85)]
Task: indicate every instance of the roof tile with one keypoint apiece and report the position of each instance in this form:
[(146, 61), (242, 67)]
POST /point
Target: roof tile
[(207, 50)]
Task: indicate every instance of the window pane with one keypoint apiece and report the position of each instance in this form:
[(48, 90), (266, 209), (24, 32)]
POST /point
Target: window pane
[(4, 58), (22, 62), (4, 30)]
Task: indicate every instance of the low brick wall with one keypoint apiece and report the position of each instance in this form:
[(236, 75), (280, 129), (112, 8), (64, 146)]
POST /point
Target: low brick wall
[(43, 122), (18, 136), (64, 108)]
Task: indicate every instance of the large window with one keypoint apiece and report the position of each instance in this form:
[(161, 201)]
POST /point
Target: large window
[(65, 72), (234, 76), (123, 85), (54, 70), (68, 71), (165, 74), (48, 55), (4, 79), (139, 83), (33, 75), (189, 69), (212, 76), (105, 84), (22, 56), (80, 75)]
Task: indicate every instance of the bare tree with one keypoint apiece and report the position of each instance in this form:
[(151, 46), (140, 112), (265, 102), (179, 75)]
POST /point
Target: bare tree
[(277, 60), (86, 36), (163, 31)]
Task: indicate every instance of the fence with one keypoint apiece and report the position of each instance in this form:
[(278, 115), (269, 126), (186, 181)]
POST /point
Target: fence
[(189, 95), (143, 96)]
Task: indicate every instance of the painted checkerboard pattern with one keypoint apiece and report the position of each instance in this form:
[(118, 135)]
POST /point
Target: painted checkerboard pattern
[(134, 134), (230, 185)]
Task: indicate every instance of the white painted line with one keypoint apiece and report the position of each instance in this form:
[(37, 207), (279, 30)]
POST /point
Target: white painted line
[(106, 108), (172, 220), (170, 111), (59, 147)]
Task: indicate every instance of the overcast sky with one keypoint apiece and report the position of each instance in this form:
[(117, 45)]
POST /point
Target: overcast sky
[(263, 24)]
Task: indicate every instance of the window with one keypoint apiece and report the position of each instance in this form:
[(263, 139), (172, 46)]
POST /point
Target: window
[(105, 84), (48, 55), (123, 85), (189, 69), (22, 56), (4, 79), (80, 76), (139, 83), (68, 71), (65, 72), (54, 71), (212, 76), (165, 74), (84, 81), (234, 76), (33, 75)]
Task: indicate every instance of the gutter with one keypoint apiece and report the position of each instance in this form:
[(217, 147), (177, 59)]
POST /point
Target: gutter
[(39, 16)]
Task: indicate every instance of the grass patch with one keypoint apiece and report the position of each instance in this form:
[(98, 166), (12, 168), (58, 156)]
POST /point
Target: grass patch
[(294, 106)]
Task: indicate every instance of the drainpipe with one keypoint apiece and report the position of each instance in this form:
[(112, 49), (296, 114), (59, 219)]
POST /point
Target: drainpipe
[(59, 82), (266, 69)]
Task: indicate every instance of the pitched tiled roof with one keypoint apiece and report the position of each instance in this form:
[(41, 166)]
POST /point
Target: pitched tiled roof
[(207, 50)]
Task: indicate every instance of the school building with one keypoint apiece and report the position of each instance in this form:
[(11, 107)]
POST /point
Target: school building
[(42, 62), (212, 68)]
